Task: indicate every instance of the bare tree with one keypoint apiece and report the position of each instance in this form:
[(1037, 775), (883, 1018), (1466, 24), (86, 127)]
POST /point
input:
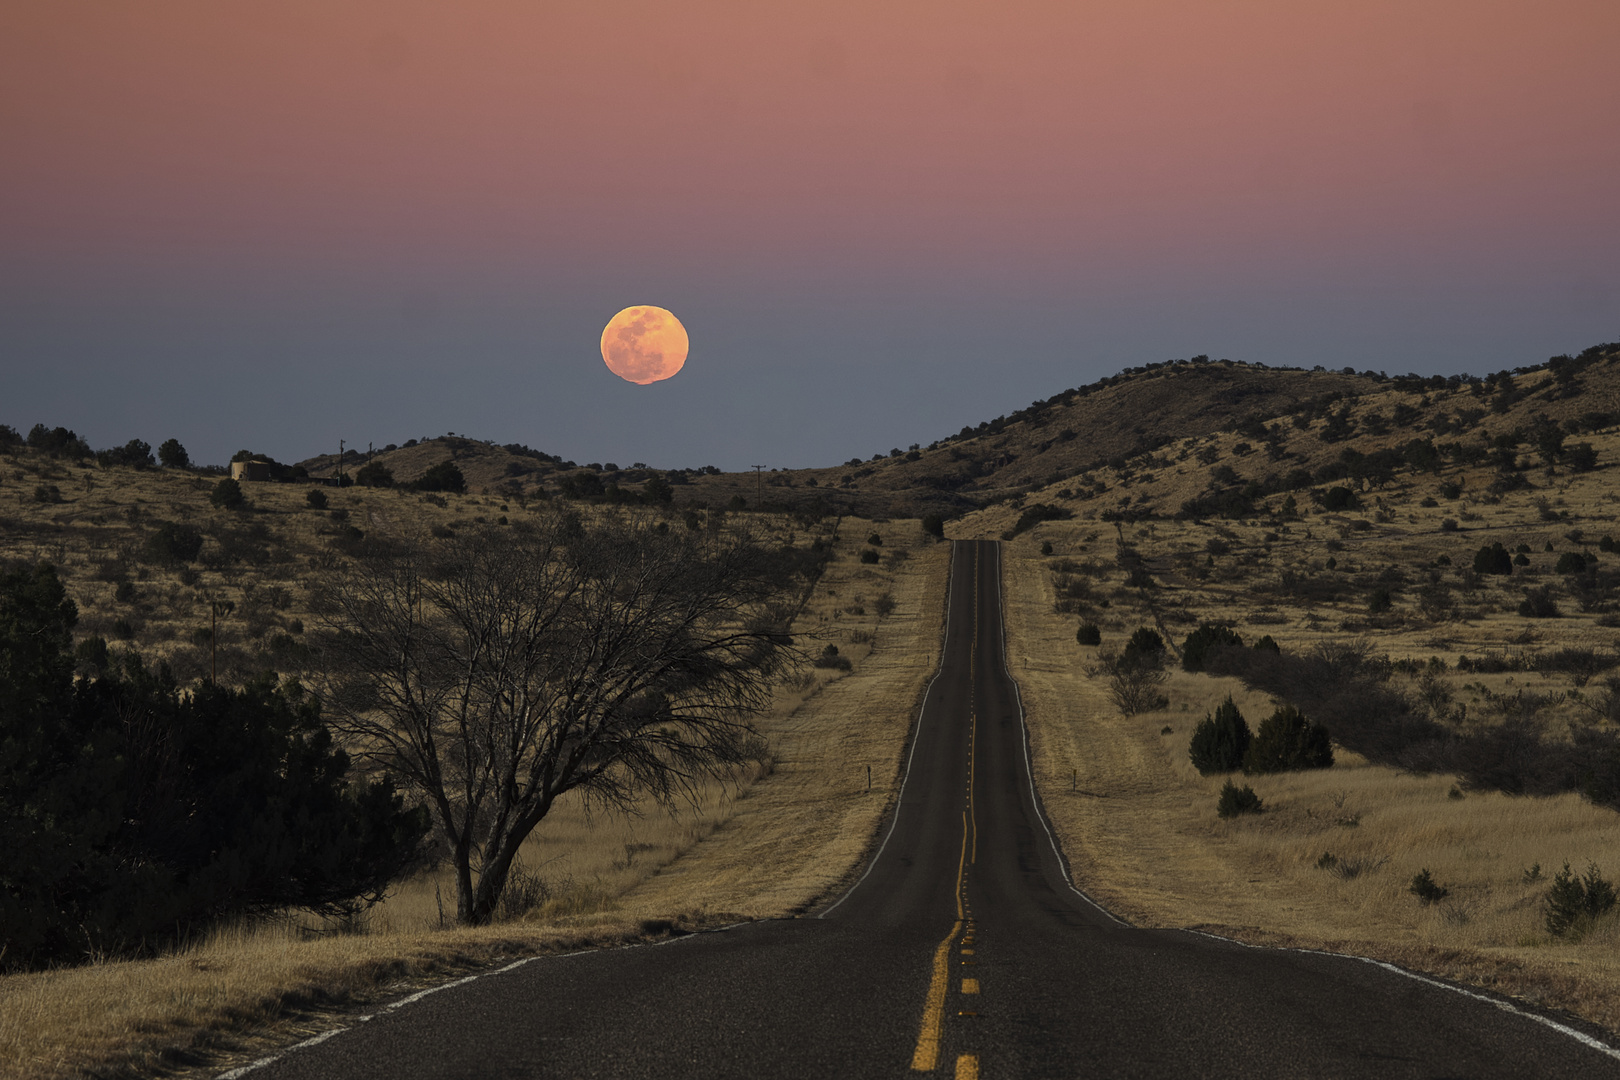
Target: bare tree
[(499, 669)]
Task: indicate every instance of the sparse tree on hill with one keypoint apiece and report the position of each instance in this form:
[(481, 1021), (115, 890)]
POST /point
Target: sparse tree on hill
[(499, 669), (173, 456), (227, 495)]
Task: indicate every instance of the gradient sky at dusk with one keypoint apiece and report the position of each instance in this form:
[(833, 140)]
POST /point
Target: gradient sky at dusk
[(275, 225)]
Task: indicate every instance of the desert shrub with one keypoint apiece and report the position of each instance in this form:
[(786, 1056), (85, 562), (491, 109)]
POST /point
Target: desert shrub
[(1234, 801), (138, 812), (1448, 525), (1088, 634), (1493, 558), (227, 495), (374, 474), (1288, 741), (1570, 562), (933, 525), (1221, 740), (173, 455), (444, 476), (1573, 903), (1134, 689), (1539, 604), (47, 493), (1199, 643), (316, 498), (1339, 498), (1581, 457), (869, 556), (1426, 889), (830, 659), (1144, 649), (884, 605), (1380, 600), (172, 543), (1345, 688), (875, 540)]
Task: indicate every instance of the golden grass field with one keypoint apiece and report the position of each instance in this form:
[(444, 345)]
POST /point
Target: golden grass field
[(770, 842), (1138, 822)]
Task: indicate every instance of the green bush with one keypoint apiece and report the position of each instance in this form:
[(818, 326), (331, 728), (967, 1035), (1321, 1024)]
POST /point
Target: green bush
[(1287, 741), (227, 495), (875, 540), (442, 477), (869, 556), (934, 525), (1339, 498), (1236, 800), (316, 498), (1426, 889), (1539, 604), (374, 474), (173, 455), (1493, 558), (829, 658), (172, 543), (1202, 640), (1220, 742), (1574, 902), (123, 837), (1088, 634), (1570, 562), (1144, 649)]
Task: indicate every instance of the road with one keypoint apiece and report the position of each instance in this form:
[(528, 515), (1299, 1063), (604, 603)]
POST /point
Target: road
[(963, 952)]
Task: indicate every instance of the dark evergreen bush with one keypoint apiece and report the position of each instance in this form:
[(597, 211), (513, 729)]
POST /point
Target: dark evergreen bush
[(1574, 902), (446, 477), (1570, 562), (1287, 741), (227, 495), (1339, 498), (316, 498), (1236, 800), (173, 455), (869, 556), (1088, 634), (1493, 558), (1219, 742), (1144, 649), (1426, 889), (374, 474), (132, 812), (172, 543), (1202, 640), (1539, 604)]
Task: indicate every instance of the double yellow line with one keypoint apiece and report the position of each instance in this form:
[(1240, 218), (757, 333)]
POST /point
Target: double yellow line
[(926, 1057)]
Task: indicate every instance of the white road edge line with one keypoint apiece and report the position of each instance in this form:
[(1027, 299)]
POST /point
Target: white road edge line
[(916, 737), (243, 1070), (1029, 767), (1506, 1006)]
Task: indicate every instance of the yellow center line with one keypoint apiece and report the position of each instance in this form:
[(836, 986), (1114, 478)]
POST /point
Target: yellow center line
[(926, 1057)]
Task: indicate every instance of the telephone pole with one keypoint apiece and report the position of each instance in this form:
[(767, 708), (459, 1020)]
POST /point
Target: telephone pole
[(759, 488)]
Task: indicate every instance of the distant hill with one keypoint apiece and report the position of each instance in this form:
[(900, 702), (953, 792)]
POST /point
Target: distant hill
[(1301, 417)]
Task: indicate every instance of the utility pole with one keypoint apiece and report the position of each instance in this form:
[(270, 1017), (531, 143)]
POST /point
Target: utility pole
[(340, 463), (759, 488)]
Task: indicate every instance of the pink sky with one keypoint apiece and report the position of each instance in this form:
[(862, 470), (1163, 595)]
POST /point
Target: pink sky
[(1022, 153)]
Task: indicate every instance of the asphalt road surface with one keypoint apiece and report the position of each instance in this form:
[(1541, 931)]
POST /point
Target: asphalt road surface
[(963, 952)]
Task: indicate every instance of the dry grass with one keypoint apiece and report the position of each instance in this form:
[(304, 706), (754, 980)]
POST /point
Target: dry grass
[(769, 842), (1139, 824)]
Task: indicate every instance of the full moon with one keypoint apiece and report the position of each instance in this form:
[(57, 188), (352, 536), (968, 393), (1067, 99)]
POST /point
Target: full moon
[(644, 344)]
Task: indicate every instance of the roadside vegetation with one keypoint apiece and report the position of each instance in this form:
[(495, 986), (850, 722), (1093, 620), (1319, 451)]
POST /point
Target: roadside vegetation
[(1449, 622), (264, 580)]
